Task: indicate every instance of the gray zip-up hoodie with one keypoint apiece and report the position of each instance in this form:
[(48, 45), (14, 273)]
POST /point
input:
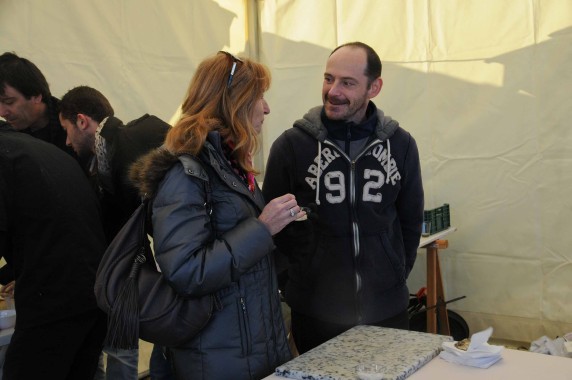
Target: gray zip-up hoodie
[(348, 264)]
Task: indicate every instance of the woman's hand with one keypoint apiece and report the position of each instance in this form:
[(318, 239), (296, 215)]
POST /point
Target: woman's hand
[(279, 212)]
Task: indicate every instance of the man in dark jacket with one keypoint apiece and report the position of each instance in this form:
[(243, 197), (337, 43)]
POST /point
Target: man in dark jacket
[(27, 106), (359, 174), (51, 235), (93, 131)]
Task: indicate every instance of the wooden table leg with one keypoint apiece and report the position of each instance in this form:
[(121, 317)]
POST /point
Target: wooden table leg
[(441, 310), (435, 293), (432, 265)]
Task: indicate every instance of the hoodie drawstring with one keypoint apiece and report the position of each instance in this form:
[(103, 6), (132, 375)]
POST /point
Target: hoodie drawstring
[(319, 172), (388, 161)]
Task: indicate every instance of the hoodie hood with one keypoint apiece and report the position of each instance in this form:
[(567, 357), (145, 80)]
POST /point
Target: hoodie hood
[(312, 124)]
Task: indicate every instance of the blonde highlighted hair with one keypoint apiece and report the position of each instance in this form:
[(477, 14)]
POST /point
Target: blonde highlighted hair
[(210, 104)]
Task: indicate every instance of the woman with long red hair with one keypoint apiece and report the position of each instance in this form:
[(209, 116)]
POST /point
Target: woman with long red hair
[(212, 230)]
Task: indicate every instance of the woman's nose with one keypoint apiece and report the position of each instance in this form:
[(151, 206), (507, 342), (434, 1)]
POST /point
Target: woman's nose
[(266, 107)]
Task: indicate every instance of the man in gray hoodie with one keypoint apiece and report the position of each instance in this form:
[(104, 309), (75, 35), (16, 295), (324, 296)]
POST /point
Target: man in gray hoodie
[(358, 172)]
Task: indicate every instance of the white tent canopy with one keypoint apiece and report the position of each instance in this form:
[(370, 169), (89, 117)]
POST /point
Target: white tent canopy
[(483, 86)]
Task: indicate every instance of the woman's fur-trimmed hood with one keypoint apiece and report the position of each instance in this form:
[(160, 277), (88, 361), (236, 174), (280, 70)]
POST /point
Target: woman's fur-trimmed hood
[(148, 171)]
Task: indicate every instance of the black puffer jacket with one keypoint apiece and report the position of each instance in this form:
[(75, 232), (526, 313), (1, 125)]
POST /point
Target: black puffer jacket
[(228, 253)]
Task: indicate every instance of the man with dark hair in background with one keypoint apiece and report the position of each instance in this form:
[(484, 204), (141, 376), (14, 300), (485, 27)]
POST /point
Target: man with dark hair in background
[(27, 106), (26, 102), (93, 131)]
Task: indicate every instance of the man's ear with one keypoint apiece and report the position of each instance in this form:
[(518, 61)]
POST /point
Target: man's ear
[(82, 121), (375, 87), (36, 98)]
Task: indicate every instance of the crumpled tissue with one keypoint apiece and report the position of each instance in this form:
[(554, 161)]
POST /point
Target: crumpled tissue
[(479, 354), (557, 347)]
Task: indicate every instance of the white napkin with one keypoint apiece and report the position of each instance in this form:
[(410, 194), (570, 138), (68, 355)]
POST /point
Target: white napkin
[(479, 354)]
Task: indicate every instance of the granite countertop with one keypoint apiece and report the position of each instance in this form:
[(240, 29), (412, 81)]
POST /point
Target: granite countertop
[(399, 352)]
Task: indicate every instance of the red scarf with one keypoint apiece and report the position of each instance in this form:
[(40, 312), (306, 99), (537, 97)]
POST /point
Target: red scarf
[(247, 177)]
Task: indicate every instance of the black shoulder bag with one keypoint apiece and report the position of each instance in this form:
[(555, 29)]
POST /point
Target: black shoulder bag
[(137, 299)]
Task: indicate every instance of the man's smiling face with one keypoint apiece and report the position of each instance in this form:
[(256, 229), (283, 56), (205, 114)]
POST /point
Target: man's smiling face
[(346, 90)]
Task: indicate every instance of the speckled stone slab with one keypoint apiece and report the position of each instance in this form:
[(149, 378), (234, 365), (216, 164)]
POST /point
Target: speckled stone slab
[(399, 352)]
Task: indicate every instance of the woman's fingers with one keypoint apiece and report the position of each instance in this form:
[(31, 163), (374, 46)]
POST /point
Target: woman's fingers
[(280, 211)]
